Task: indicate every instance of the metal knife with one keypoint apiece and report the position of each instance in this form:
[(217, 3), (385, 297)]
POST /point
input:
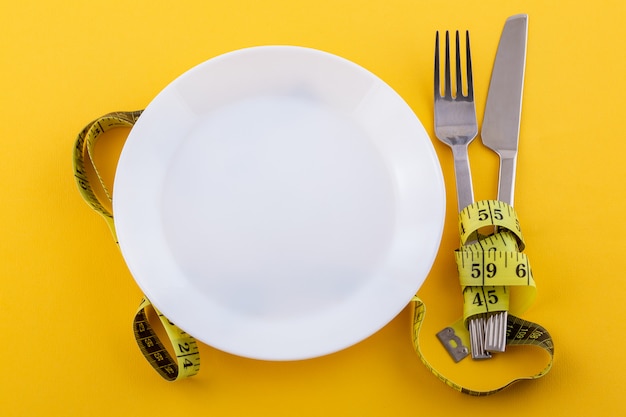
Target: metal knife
[(500, 132)]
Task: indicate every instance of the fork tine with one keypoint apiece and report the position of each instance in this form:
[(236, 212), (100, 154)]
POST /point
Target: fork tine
[(459, 79), (437, 75), (470, 79), (448, 84)]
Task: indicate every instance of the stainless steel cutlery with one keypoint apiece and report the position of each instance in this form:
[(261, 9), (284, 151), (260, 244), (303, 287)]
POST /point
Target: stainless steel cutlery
[(456, 125)]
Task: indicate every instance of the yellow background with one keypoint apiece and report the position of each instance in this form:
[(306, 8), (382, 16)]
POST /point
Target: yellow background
[(67, 299)]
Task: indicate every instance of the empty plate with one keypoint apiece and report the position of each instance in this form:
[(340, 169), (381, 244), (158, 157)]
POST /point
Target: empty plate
[(279, 203)]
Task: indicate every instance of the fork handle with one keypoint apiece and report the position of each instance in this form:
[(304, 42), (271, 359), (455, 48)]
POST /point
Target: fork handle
[(463, 176)]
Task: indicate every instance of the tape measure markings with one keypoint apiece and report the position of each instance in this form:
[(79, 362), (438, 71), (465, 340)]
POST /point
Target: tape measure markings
[(152, 349), (493, 267), (489, 213), (479, 300), (187, 362)]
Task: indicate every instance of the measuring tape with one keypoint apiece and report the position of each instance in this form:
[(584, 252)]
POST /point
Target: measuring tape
[(495, 276), (519, 332), (494, 262), (184, 346)]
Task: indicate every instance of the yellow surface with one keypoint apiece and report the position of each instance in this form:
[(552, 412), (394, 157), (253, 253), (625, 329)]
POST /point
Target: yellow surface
[(67, 299)]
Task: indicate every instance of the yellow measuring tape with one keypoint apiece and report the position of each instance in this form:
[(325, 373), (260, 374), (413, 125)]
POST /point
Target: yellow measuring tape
[(184, 346), (495, 276)]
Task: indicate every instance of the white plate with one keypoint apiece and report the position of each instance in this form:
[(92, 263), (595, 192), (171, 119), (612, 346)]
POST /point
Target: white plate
[(279, 203)]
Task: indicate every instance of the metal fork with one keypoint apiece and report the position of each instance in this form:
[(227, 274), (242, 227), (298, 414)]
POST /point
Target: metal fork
[(456, 126)]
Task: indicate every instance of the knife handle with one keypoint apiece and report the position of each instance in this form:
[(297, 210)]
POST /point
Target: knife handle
[(506, 183)]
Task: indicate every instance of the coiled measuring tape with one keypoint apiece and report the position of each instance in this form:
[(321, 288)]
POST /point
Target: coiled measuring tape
[(495, 276), (187, 357)]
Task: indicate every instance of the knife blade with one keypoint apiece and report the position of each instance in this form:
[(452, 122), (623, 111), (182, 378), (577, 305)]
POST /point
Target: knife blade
[(500, 133), (501, 122)]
